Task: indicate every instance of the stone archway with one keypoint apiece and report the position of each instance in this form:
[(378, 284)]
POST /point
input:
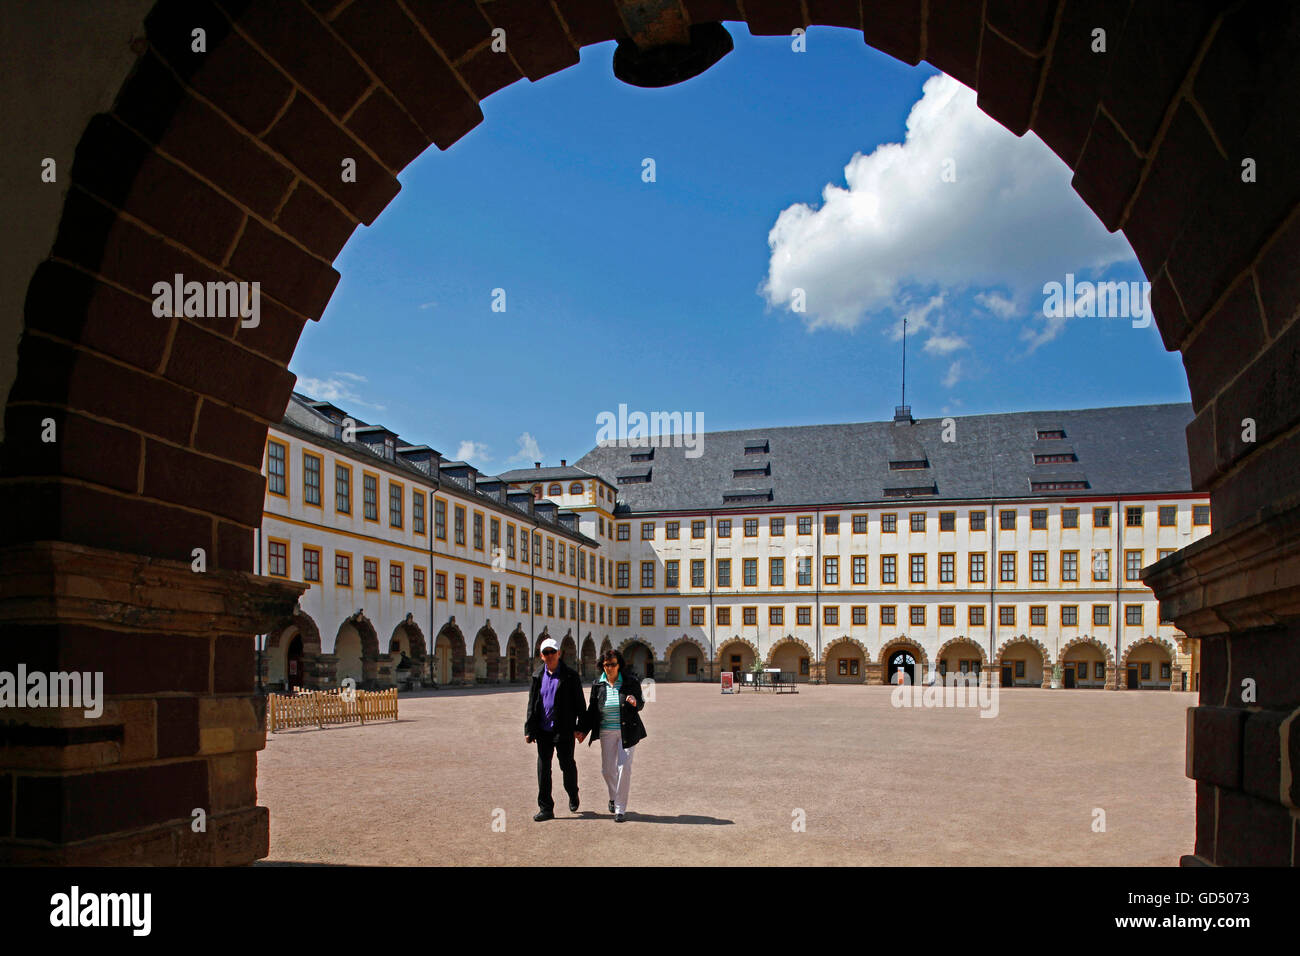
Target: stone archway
[(679, 655), (1036, 662), (487, 655), (275, 658), (639, 657), (408, 639), (569, 650), (1082, 655), (846, 661), (518, 665), (221, 168), (901, 644), (961, 655), (450, 665), (1153, 652), (786, 654), (588, 658), (735, 654)]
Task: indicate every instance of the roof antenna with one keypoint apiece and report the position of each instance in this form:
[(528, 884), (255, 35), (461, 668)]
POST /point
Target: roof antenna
[(903, 412)]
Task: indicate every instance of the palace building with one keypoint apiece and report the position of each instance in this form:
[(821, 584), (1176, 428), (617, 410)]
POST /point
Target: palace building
[(1009, 545)]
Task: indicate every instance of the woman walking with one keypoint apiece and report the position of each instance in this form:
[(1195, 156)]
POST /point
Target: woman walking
[(612, 715)]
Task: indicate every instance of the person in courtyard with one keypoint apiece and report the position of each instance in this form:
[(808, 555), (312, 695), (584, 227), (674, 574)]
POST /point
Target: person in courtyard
[(613, 717), (555, 721)]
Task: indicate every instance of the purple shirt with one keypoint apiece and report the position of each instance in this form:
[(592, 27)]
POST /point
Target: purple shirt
[(550, 683)]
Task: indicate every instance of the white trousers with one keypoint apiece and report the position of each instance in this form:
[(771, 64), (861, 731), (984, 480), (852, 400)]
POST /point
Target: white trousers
[(616, 767)]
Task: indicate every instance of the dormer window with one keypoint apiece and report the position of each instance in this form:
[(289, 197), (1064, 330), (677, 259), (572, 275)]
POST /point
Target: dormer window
[(388, 448), (909, 464), (575, 488), (643, 455), (555, 489), (1054, 459), (1045, 434), (755, 447), (758, 472)]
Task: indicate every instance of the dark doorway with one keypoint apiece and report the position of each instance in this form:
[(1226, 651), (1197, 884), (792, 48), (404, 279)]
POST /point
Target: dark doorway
[(514, 668), (1132, 682), (293, 663), (1069, 677), (901, 661), (1007, 675)]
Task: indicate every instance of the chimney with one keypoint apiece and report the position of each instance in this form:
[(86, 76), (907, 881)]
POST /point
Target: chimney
[(563, 462), (537, 464)]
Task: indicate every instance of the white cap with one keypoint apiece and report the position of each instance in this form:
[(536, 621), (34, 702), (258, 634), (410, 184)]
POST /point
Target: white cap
[(549, 644)]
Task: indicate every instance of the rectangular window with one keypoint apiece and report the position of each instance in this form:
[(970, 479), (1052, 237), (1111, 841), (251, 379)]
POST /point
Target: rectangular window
[(751, 527), (775, 527), (749, 615), (622, 575), (440, 586), (1007, 520), (494, 536), (311, 478), (803, 570), (860, 614), (537, 549), (624, 532), (947, 615), (947, 568), (647, 617), (724, 616), (418, 580), (1069, 517), (1133, 614), (977, 519), (776, 572), (724, 572), (1200, 515), (417, 512), (859, 569), (440, 519), (697, 529), (370, 573), (1101, 565), (395, 492), (1038, 565), (917, 612), (1168, 516), (888, 614), (277, 558), (458, 525), (1132, 565), (670, 574), (697, 572), (724, 528), (396, 575), (832, 524), (1101, 517), (370, 497), (310, 564), (859, 524), (830, 614), (803, 614), (975, 615), (776, 615), (672, 530), (1007, 614), (343, 489), (275, 468), (647, 575), (1133, 517), (1069, 565), (647, 530), (888, 523), (888, 569), (1069, 615), (1038, 519), (804, 524), (478, 531), (1038, 615), (550, 554), (918, 569), (1101, 615), (672, 616), (697, 617), (1007, 566), (523, 600), (918, 520), (947, 521), (550, 605), (343, 570), (976, 574), (830, 570)]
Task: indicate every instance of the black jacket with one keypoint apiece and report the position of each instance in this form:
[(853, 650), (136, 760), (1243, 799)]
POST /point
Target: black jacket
[(569, 711), (633, 730)]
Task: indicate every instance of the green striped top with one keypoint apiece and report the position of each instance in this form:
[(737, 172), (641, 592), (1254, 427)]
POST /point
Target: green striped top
[(609, 711)]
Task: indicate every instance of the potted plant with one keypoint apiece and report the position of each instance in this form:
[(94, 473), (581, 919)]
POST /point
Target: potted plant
[(1057, 671)]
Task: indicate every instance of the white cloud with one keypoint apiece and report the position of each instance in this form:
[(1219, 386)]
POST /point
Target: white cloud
[(529, 450), (918, 316), (954, 374), (427, 305), (1009, 220), (473, 450), (337, 389), (1037, 336), (997, 303), (945, 344)]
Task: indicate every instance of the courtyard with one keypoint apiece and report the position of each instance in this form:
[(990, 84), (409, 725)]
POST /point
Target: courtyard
[(726, 779)]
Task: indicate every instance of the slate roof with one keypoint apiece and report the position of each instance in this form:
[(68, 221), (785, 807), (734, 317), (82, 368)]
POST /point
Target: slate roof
[(1139, 449)]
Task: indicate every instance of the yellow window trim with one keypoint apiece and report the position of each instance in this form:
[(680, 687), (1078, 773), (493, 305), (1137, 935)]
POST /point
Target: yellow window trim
[(287, 486), (288, 556), (320, 473)]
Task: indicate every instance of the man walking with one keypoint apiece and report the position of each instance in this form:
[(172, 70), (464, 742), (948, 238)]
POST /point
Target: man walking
[(556, 712)]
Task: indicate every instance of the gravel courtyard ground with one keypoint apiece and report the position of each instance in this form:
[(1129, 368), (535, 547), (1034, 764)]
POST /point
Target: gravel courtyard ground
[(720, 778)]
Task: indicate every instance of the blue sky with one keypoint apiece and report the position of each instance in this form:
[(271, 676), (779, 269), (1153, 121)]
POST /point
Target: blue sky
[(676, 294)]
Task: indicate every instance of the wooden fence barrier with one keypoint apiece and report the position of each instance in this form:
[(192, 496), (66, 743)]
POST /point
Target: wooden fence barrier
[(320, 708)]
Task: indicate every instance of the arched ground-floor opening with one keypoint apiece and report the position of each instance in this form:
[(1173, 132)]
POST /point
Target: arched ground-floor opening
[(687, 660), (1023, 662), (518, 666), (1086, 663), (737, 656), (291, 657), (961, 655), (569, 651), (449, 659), (639, 658), (903, 660), (1149, 665), (588, 658), (791, 656), (846, 662), (487, 656)]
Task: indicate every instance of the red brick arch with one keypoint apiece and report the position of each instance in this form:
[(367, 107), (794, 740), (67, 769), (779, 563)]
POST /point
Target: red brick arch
[(668, 651), (984, 658), (903, 643), (845, 639), (307, 628), (226, 166), (788, 639), (1143, 642), (1032, 642), (722, 646), (1091, 642)]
